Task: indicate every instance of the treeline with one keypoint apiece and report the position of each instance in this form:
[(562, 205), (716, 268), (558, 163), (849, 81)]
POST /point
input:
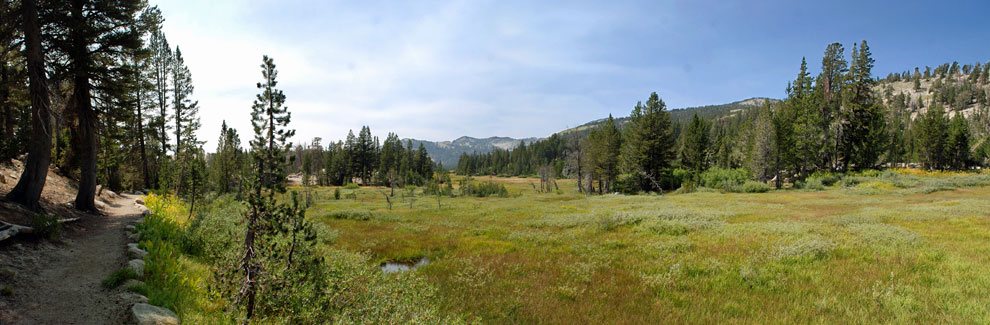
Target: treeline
[(363, 159), (840, 120), (522, 160), (93, 88)]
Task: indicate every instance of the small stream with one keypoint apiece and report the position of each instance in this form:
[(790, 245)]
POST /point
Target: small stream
[(393, 267)]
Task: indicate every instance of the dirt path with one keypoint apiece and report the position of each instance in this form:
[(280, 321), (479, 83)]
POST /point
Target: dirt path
[(60, 283)]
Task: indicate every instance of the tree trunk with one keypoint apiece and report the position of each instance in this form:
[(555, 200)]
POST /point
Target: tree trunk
[(7, 110), (86, 130), (144, 150), (27, 192)]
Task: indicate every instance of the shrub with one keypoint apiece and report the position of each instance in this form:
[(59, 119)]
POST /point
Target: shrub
[(336, 193), (724, 179), (826, 178), (814, 184), (755, 187), (351, 186), (483, 189), (805, 249), (626, 184), (118, 277), (46, 225), (677, 224), (360, 215), (609, 220)]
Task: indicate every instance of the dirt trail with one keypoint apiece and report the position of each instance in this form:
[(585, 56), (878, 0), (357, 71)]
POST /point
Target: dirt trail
[(60, 283)]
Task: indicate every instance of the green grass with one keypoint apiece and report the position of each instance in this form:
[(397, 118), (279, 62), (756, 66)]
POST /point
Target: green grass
[(119, 276), (891, 247)]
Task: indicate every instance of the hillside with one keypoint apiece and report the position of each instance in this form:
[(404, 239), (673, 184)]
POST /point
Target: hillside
[(683, 115), (954, 92), (448, 152)]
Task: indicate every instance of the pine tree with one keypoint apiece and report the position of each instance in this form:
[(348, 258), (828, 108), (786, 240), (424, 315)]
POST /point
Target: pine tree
[(931, 136), (95, 36), (863, 122), (185, 116), (270, 117), (649, 151), (159, 71), (834, 68), (28, 190), (695, 150), (227, 161), (957, 143), (764, 158)]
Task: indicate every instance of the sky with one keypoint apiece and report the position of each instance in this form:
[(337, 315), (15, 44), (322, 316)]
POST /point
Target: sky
[(438, 70)]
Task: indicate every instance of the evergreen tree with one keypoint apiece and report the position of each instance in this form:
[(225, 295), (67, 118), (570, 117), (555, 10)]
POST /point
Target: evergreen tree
[(863, 122), (185, 116), (649, 149), (695, 150), (95, 36), (957, 143), (764, 158), (28, 190), (932, 132), (270, 117), (834, 68), (159, 71), (227, 161)]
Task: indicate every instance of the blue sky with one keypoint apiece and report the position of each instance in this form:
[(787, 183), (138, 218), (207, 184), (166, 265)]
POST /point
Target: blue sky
[(438, 70)]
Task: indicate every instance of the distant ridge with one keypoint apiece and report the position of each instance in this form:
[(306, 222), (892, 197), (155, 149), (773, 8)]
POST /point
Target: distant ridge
[(449, 152), (684, 115)]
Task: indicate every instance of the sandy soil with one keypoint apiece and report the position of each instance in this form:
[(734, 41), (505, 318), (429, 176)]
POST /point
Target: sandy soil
[(59, 282)]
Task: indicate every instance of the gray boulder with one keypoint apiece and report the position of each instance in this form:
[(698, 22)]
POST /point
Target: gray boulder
[(145, 314), (137, 265), (135, 252), (133, 298)]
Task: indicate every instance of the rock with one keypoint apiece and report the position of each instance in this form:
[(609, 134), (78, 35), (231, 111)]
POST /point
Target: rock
[(3, 179), (133, 236), (145, 314), (139, 201), (130, 227), (133, 298), (132, 283), (145, 212), (135, 252), (137, 265)]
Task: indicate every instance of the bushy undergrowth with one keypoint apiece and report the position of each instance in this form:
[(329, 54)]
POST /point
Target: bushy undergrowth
[(469, 187), (183, 255), (46, 225), (679, 224), (724, 179), (359, 215)]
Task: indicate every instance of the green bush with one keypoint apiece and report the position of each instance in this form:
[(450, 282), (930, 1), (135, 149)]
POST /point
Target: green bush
[(724, 179), (755, 187), (626, 184), (814, 184), (118, 277), (483, 189), (46, 225), (351, 186), (336, 193), (359, 215), (826, 178)]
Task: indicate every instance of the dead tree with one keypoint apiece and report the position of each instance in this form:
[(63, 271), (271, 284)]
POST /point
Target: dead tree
[(388, 200)]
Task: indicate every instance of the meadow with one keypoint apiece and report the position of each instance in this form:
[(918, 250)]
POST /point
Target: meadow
[(892, 247)]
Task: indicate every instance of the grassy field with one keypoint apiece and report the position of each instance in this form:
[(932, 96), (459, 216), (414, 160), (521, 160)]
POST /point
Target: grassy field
[(898, 247)]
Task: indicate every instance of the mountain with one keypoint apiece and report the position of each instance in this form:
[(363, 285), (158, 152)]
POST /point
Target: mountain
[(449, 152), (684, 115)]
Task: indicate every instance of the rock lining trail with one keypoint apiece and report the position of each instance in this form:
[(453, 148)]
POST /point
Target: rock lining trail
[(61, 283)]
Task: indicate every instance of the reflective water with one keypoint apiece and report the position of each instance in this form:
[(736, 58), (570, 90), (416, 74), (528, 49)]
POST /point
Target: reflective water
[(393, 267)]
